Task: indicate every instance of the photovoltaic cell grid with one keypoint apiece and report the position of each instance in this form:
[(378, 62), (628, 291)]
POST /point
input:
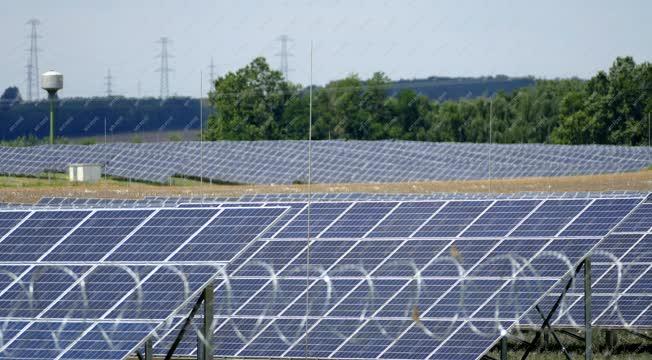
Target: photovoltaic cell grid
[(635, 304), (285, 162), (96, 283), (406, 280), (621, 277), (190, 201)]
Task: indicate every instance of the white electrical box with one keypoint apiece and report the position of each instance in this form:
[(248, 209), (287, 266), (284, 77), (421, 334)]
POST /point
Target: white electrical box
[(85, 172)]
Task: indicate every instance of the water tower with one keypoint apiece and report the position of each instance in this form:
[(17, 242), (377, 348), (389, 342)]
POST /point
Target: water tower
[(52, 82)]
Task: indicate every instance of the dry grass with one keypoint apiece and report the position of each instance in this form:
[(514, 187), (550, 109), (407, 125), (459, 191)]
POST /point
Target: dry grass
[(29, 190)]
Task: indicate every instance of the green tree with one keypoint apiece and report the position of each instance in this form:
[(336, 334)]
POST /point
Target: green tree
[(249, 103)]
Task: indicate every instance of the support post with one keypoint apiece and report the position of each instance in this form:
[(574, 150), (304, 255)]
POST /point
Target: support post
[(546, 319), (611, 340), (503, 348), (149, 351), (186, 323), (206, 343), (588, 333), (52, 98)]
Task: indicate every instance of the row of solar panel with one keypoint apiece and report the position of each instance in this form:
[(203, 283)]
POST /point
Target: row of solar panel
[(333, 161), (105, 274), (454, 245), (367, 307), (172, 201)]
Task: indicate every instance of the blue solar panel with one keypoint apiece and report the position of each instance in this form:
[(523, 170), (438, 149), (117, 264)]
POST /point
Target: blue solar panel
[(358, 220), (322, 215), (229, 233), (388, 279), (406, 219), (163, 233), (97, 235), (500, 218), (449, 283), (600, 217), (284, 162), (37, 234), (453, 218), (70, 297), (619, 271), (638, 221)]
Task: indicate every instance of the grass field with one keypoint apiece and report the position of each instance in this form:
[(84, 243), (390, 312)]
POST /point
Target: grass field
[(29, 190), (628, 347)]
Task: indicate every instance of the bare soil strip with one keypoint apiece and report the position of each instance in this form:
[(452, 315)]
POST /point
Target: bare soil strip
[(30, 190)]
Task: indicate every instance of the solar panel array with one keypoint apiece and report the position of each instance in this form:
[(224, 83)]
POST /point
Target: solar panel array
[(173, 201), (95, 283), (404, 280), (621, 279), (395, 278), (285, 162)]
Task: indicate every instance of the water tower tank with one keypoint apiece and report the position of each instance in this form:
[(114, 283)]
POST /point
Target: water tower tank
[(52, 81)]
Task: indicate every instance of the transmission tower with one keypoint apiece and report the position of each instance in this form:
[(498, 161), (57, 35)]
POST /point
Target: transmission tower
[(164, 69), (108, 81), (211, 72), (284, 54), (33, 89)]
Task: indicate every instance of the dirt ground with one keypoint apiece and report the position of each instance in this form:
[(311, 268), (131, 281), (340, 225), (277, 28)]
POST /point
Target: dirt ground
[(29, 190)]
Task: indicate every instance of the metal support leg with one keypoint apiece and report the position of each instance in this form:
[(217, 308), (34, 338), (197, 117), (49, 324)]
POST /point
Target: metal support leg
[(206, 340), (588, 333), (641, 335), (186, 323), (610, 339), (503, 348), (149, 351), (546, 320)]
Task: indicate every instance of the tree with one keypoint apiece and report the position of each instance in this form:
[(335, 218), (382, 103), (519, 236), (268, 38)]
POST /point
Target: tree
[(9, 97), (341, 110), (249, 103)]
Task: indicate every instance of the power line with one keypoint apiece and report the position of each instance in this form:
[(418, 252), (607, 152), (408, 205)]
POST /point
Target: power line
[(165, 68), (33, 89), (108, 81), (284, 54)]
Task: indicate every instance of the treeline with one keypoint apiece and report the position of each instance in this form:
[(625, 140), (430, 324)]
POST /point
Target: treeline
[(613, 107)]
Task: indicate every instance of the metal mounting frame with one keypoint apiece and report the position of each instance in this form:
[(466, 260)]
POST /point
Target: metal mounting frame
[(207, 299), (588, 330)]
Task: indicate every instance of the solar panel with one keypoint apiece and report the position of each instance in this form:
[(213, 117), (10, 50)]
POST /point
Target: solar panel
[(285, 162), (621, 277), (366, 288), (80, 282)]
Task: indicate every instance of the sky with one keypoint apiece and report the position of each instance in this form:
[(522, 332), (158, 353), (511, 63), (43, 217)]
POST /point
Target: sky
[(403, 38)]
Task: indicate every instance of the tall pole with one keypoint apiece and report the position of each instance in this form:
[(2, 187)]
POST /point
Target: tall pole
[(491, 108), (51, 96), (201, 128), (306, 349), (207, 326), (588, 333)]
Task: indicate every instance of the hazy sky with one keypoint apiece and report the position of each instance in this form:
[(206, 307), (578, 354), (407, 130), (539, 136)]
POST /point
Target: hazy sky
[(405, 39)]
